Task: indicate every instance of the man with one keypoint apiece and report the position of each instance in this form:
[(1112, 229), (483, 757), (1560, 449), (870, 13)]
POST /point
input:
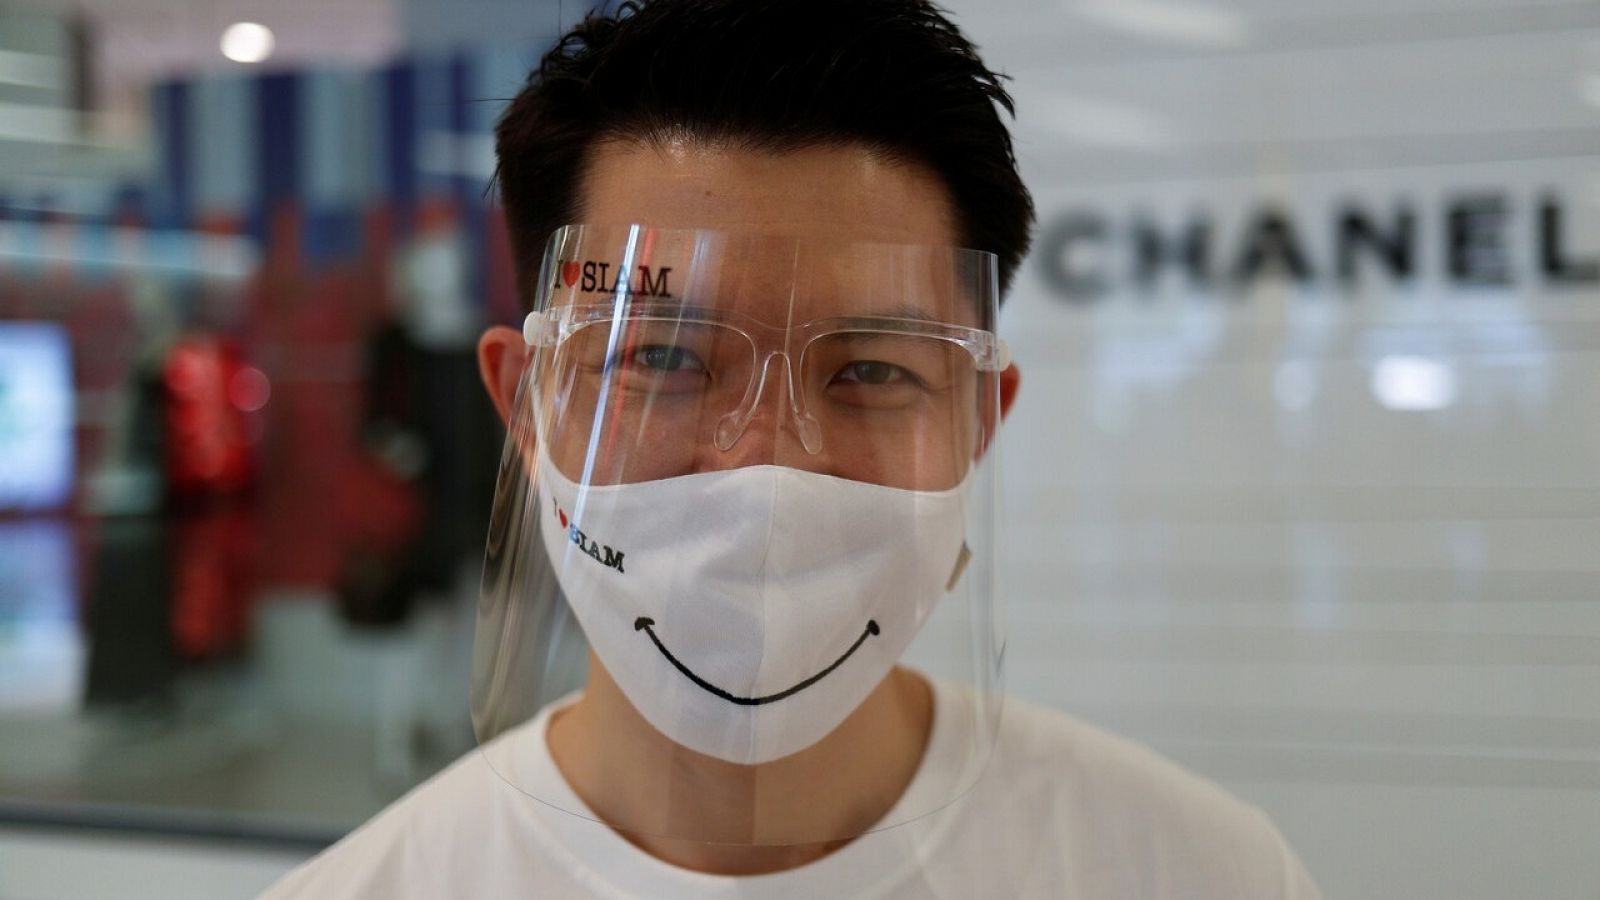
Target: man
[(750, 457)]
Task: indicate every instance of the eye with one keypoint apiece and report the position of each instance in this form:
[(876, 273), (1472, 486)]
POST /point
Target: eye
[(871, 371), (666, 358)]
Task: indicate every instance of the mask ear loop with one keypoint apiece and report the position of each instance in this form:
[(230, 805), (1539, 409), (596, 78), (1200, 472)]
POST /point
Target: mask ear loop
[(960, 567)]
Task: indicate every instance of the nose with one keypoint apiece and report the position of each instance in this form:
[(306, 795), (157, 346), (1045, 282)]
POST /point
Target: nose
[(771, 418)]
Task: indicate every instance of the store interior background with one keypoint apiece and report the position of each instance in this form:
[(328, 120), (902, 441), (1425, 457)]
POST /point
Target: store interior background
[(1302, 488)]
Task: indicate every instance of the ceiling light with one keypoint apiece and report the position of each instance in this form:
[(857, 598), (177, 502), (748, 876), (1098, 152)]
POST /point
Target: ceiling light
[(1413, 383), (247, 42)]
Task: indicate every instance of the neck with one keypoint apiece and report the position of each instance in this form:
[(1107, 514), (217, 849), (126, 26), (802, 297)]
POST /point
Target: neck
[(709, 815)]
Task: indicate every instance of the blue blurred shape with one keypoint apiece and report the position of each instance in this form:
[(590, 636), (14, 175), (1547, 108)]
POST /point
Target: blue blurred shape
[(36, 416)]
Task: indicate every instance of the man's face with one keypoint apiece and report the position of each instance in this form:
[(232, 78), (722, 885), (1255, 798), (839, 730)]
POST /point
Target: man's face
[(817, 197)]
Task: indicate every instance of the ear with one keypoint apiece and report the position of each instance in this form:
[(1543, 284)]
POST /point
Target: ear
[(1010, 381), (501, 357)]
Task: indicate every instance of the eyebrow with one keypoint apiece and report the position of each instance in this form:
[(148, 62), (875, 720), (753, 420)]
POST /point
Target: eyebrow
[(901, 311), (896, 311)]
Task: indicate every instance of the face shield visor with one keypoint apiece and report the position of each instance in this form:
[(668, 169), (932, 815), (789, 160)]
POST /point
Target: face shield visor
[(745, 477)]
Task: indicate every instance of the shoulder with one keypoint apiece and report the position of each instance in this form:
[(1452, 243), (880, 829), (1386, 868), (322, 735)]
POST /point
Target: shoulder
[(435, 841), (1098, 766), (1132, 822)]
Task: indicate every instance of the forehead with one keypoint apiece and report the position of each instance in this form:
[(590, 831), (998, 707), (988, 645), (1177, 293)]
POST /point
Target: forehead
[(821, 196), (846, 192)]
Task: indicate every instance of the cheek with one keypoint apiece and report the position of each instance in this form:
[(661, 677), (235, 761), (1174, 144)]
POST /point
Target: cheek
[(927, 459), (614, 445)]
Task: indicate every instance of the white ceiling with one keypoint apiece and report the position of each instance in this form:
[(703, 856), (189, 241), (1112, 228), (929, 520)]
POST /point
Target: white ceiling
[(1144, 90), (1108, 90), (142, 41)]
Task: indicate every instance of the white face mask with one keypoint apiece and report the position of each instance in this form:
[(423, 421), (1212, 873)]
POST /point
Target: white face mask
[(747, 612)]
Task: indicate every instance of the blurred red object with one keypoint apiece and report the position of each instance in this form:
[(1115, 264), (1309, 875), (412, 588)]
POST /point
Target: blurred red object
[(213, 578), (213, 398)]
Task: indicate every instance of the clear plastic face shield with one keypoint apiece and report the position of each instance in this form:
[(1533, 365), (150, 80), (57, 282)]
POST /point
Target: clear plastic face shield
[(753, 475)]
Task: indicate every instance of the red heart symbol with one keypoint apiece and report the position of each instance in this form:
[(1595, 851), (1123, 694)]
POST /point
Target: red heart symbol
[(569, 273), (561, 514)]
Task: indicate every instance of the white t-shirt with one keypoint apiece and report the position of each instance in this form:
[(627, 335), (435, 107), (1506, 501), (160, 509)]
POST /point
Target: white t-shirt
[(1064, 810)]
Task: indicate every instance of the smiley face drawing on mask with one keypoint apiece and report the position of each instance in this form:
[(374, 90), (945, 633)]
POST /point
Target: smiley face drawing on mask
[(757, 607)]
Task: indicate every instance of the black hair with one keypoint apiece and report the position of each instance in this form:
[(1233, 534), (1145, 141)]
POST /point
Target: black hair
[(894, 75)]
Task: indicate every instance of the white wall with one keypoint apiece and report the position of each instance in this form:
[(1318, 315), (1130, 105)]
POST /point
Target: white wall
[(1381, 624)]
